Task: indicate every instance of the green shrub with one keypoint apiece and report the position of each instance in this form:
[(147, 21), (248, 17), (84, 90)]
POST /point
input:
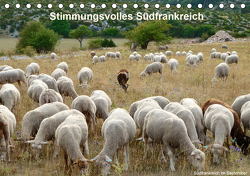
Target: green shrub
[(239, 35), (29, 51), (204, 37), (108, 43), (95, 43), (2, 53)]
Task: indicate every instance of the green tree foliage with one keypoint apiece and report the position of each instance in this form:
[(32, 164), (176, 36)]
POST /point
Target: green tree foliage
[(62, 27), (37, 36), (202, 29), (99, 42), (80, 33), (189, 31), (110, 32), (149, 31)]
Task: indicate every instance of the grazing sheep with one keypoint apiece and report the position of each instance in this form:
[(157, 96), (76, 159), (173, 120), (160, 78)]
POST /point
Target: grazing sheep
[(192, 105), (192, 60), (151, 56), (118, 131), (95, 59), (138, 57), (85, 75), (49, 96), (163, 59), (53, 56), (8, 125), (9, 96), (232, 59), (153, 68), (12, 76), (47, 130), (7, 68), (107, 54), (72, 135), (135, 53), (66, 87), (32, 69), (49, 80), (118, 55), (146, 57), (187, 116), (57, 73), (35, 89), (2, 67), (162, 48), (30, 79), (219, 120), (242, 140), (234, 52), (245, 118), (239, 102), (123, 77), (213, 50), (184, 53), (93, 53), (200, 56), (224, 55), (190, 52), (168, 53), (173, 64), (225, 47), (172, 133), (85, 105), (64, 66), (221, 71), (157, 58), (131, 57), (102, 58), (178, 53)]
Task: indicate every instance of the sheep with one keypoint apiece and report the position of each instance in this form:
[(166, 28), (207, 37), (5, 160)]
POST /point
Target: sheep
[(223, 56), (184, 53), (225, 47), (49, 96), (168, 53), (166, 47), (219, 120), (32, 119), (162, 101), (71, 135), (215, 55), (192, 105), (102, 58), (143, 108), (131, 57), (135, 53), (32, 69), (123, 77), (173, 64), (30, 79), (2, 67), (66, 87), (9, 96), (49, 80), (234, 52), (118, 131), (95, 59), (172, 133), (192, 60), (162, 48), (232, 59), (7, 68), (53, 56), (146, 57), (245, 116), (93, 53), (153, 68), (138, 57), (118, 55), (36, 88), (107, 54), (187, 116), (151, 56), (213, 50), (12, 76), (47, 129), (221, 71), (85, 75), (242, 140), (163, 59), (57, 73), (200, 56), (178, 53), (64, 66), (85, 105), (8, 125), (157, 58), (239, 102), (103, 103)]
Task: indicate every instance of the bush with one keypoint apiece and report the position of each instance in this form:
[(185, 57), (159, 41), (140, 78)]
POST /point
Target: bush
[(239, 35), (204, 37), (28, 51), (108, 43), (98, 43)]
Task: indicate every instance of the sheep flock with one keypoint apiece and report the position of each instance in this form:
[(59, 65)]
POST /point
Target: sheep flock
[(185, 110)]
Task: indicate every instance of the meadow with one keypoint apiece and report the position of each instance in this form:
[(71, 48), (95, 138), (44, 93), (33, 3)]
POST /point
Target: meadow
[(193, 82)]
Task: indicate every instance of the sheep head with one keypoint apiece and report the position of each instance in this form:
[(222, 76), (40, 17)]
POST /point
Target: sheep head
[(218, 150), (103, 162), (83, 164), (197, 159)]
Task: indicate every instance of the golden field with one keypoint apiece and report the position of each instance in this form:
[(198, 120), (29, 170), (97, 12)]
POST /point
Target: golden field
[(193, 82)]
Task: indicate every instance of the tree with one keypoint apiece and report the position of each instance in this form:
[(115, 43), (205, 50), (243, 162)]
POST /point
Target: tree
[(62, 27), (80, 33), (149, 31), (189, 31), (36, 35)]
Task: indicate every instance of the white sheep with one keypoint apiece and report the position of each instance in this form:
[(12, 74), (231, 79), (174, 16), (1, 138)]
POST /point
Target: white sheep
[(190, 52), (72, 135), (163, 59), (225, 47), (192, 60), (8, 125), (234, 52), (196, 110), (85, 105), (245, 116), (153, 68), (162, 48), (221, 71), (239, 102), (172, 133), (146, 57), (187, 116), (118, 55), (219, 120), (12, 76), (151, 56), (95, 59), (30, 79), (168, 53), (131, 57), (103, 103), (107, 54), (2, 67), (178, 53), (184, 53), (57, 73), (173, 64), (8, 68), (157, 58), (49, 96), (32, 69), (53, 56), (213, 50), (215, 55), (93, 53), (224, 55), (64, 66), (49, 80), (137, 57), (200, 56), (9, 96), (66, 87), (234, 58), (102, 58), (35, 89), (46, 131), (85, 75), (118, 131)]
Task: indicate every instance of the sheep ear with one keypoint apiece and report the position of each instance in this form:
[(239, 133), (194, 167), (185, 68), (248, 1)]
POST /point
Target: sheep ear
[(108, 159), (192, 154), (95, 158), (30, 142)]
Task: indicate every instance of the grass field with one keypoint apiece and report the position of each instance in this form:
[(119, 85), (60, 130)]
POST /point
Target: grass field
[(194, 82)]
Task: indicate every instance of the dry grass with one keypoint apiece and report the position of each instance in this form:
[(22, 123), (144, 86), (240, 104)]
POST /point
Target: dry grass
[(192, 82)]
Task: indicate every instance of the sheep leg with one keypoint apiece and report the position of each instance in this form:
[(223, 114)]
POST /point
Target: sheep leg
[(19, 83), (126, 156), (116, 159), (66, 161), (228, 141), (55, 149), (86, 147), (171, 157), (162, 155)]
